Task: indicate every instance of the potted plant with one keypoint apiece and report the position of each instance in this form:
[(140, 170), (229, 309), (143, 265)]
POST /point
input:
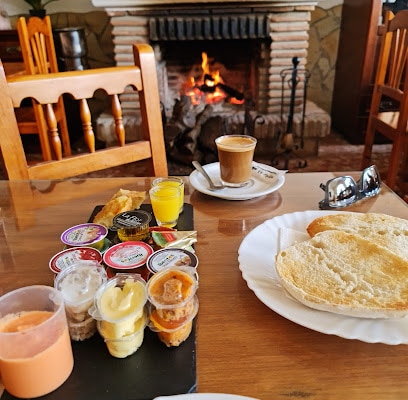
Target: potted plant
[(38, 7)]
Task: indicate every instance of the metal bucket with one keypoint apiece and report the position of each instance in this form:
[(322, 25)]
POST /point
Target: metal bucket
[(71, 48)]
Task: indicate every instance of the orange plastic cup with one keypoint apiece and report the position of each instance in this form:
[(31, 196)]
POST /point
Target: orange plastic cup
[(35, 348)]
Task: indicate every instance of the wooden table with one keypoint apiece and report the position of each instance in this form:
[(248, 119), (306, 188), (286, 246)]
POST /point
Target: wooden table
[(243, 347)]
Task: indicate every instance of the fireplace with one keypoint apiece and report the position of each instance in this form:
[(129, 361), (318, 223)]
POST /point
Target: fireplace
[(250, 41)]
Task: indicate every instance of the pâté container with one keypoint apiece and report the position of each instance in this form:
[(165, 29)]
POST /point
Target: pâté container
[(129, 257), (88, 234), (170, 258), (172, 287), (173, 303), (72, 255), (132, 225)]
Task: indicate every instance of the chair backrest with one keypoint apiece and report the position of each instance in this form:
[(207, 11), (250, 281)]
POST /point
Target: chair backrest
[(37, 45), (39, 56), (388, 114), (47, 88), (392, 73)]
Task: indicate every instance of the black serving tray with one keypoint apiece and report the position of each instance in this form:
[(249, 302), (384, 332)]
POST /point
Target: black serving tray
[(154, 370)]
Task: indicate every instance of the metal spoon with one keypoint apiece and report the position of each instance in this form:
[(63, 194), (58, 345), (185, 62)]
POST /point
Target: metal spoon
[(213, 186)]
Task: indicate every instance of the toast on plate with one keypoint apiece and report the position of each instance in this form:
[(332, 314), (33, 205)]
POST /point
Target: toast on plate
[(382, 229), (346, 274)]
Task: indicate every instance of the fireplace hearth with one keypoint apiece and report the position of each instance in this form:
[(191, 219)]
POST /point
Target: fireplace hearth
[(251, 41)]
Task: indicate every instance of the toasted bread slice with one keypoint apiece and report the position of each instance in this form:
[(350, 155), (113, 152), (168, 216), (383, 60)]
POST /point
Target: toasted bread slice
[(345, 274), (382, 229)]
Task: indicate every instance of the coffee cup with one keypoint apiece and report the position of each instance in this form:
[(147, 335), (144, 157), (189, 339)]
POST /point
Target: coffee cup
[(235, 154)]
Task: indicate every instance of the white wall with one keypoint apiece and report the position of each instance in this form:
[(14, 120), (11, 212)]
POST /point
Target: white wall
[(17, 7)]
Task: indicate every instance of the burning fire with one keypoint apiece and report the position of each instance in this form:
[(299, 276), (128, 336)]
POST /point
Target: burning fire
[(209, 87)]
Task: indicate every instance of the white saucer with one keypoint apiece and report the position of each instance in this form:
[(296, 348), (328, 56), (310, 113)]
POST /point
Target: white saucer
[(205, 396), (264, 180)]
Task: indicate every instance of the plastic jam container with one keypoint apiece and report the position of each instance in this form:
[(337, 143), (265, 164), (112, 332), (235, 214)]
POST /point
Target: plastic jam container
[(129, 257), (71, 256), (170, 258), (132, 225), (89, 234)]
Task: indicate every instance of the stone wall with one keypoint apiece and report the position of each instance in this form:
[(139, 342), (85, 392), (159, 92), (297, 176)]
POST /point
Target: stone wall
[(322, 55), (98, 33)]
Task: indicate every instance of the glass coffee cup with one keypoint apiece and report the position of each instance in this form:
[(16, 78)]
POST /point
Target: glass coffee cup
[(235, 154)]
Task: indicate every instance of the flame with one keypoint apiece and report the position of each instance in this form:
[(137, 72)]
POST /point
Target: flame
[(209, 79), (204, 63)]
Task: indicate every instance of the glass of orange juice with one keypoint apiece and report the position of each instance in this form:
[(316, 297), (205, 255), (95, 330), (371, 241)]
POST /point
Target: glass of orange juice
[(172, 181), (165, 202), (35, 348)]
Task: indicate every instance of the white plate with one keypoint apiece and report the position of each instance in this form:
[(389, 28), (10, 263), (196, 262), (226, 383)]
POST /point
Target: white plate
[(205, 396), (264, 180), (256, 256)]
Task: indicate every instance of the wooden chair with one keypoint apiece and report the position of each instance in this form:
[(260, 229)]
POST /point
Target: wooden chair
[(47, 89), (38, 51), (390, 87)]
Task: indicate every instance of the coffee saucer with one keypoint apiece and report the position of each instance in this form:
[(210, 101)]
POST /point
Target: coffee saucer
[(264, 180)]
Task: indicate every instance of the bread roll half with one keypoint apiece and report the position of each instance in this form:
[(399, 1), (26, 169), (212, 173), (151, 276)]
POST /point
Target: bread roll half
[(384, 230), (123, 200), (345, 274)]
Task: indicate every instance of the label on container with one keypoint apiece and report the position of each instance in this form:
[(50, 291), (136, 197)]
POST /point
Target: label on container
[(132, 219), (171, 257), (84, 234), (71, 256), (180, 239), (127, 255)]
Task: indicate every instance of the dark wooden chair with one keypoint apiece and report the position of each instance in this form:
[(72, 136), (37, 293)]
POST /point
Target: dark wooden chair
[(390, 87)]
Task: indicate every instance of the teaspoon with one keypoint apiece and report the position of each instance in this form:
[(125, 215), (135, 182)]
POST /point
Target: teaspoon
[(213, 186)]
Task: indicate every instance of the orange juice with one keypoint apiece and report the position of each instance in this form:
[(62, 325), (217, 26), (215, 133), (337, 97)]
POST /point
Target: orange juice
[(165, 202), (36, 367), (172, 181)]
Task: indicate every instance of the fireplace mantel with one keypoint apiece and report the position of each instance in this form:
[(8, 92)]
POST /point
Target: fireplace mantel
[(131, 4)]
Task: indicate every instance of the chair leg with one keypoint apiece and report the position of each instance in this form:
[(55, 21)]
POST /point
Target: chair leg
[(42, 129), (395, 160), (368, 145), (65, 139)]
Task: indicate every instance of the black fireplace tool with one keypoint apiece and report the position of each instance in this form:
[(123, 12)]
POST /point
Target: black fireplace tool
[(287, 142)]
